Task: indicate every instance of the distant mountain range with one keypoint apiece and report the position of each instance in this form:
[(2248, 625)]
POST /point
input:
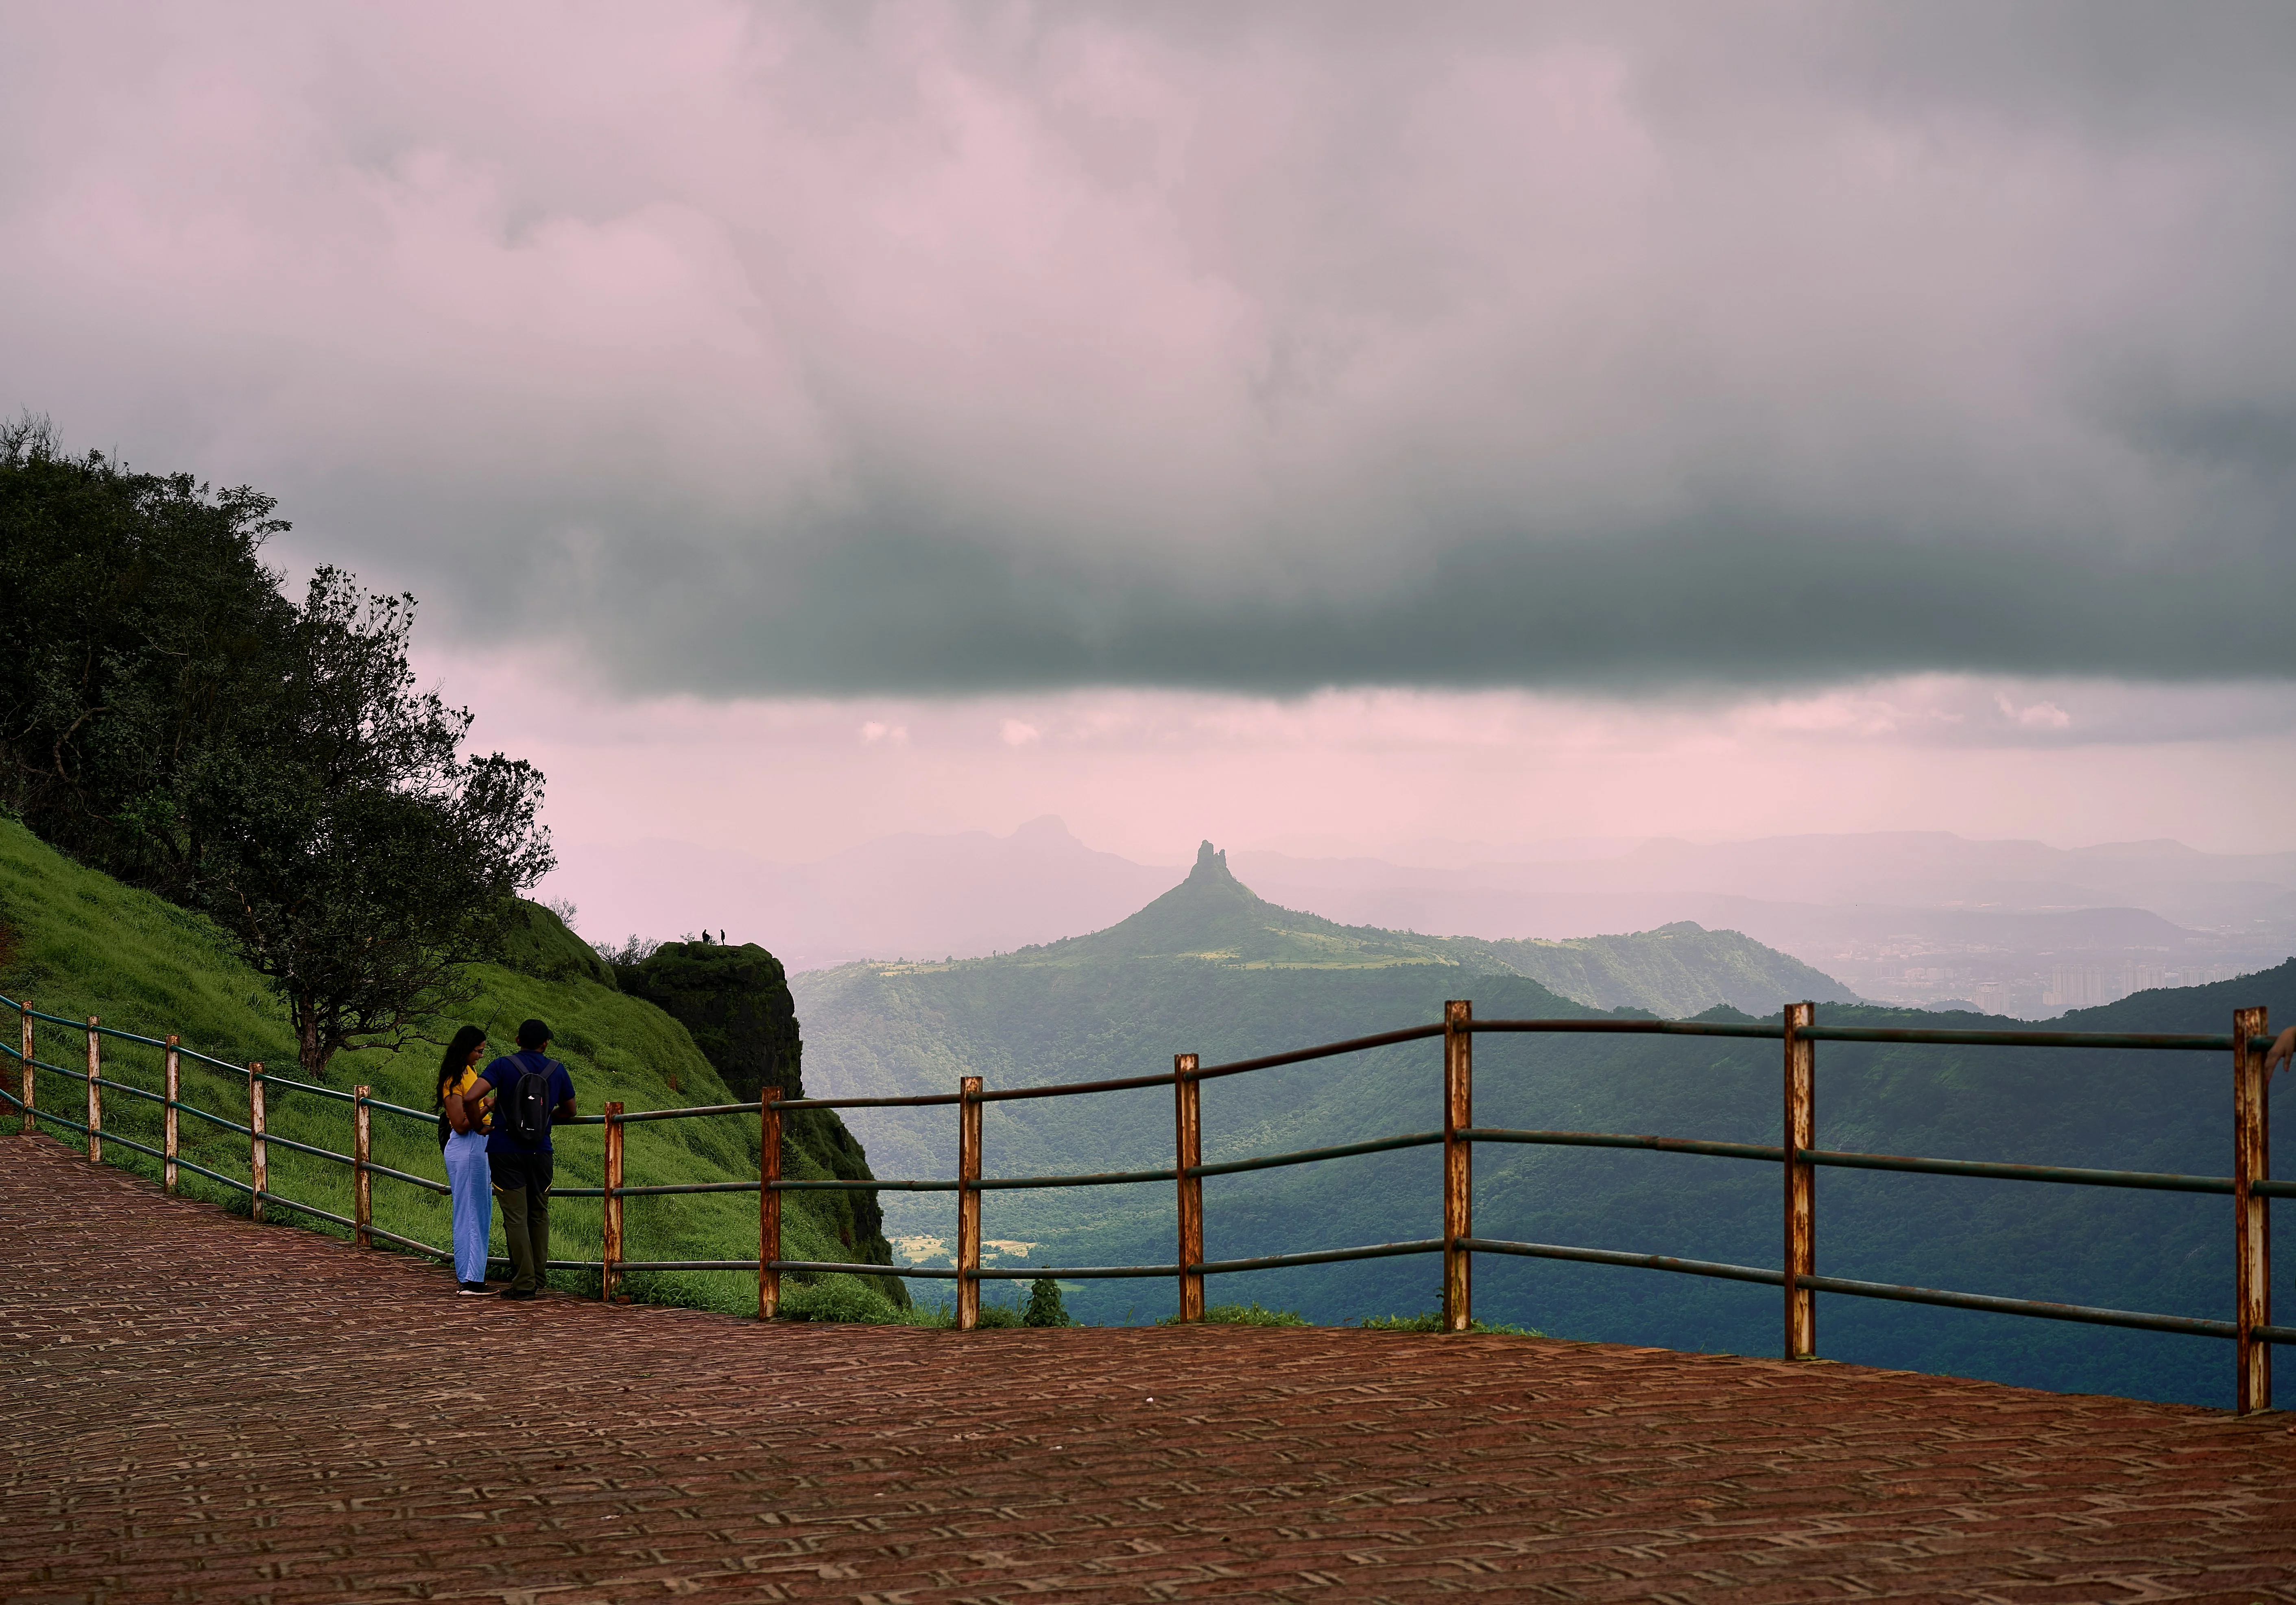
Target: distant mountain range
[(1921, 918), (1211, 968)]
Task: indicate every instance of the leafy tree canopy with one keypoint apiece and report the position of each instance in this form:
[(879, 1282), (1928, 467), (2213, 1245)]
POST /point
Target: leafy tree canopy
[(169, 716)]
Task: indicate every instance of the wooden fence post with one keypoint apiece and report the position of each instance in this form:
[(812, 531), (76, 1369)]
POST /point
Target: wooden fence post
[(609, 1277), (1801, 1182), (2251, 1149), (362, 1179), (258, 1168), (1458, 1164), (1187, 1153), (172, 1084), (769, 1202), (968, 1204), (95, 1096), (31, 1123)]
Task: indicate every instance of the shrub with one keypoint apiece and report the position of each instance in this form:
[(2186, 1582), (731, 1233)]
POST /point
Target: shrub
[(838, 1298), (1044, 1306), (1244, 1314), (1431, 1321)]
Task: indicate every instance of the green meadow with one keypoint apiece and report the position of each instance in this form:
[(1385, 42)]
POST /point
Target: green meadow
[(79, 943)]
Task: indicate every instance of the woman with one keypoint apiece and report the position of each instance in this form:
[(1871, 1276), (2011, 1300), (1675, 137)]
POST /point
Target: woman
[(465, 1139)]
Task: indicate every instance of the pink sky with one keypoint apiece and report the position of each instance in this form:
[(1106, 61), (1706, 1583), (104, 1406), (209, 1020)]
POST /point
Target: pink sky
[(1719, 423)]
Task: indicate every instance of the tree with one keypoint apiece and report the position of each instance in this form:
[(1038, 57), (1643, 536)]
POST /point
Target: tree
[(1045, 1306), (356, 858), (141, 632)]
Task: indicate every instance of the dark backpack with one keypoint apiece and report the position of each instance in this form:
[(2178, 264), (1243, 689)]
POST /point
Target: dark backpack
[(523, 1114)]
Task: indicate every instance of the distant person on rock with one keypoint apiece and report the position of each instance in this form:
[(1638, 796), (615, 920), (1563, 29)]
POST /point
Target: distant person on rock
[(531, 1091), (462, 1120)]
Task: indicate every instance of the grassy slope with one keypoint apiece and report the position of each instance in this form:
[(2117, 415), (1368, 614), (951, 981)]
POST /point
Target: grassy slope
[(89, 945)]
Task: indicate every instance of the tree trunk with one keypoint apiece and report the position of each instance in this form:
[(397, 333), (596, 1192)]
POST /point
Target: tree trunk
[(311, 1050)]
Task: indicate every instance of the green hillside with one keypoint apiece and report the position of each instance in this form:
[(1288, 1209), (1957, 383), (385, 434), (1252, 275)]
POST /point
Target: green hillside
[(1676, 972), (1121, 1002), (76, 943)]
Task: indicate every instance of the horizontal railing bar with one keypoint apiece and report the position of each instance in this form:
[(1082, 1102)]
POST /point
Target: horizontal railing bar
[(686, 1114), (1613, 1256), (665, 1192), (1110, 1178), (114, 1031), (925, 1273), (1308, 1155), (221, 1064), (55, 1019), (1603, 1139), (213, 1175), (1598, 1026), (2263, 1189), (274, 1140), (835, 1185), (408, 1243), (1354, 1044), (2170, 1041), (132, 1090), (1272, 1262), (687, 1265), (69, 1072), (1074, 1272), (1114, 1083), (2273, 1334), (285, 1202), (577, 1193), (427, 1116), (41, 1114), (2153, 1180), (194, 1109), (268, 1079), (2189, 1325), (920, 1101), (110, 1137), (440, 1188)]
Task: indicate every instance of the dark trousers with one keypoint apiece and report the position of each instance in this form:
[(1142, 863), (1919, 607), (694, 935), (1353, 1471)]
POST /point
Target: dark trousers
[(522, 1193)]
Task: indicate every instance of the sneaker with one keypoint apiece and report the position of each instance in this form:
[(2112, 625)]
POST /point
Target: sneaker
[(516, 1293), (472, 1289)]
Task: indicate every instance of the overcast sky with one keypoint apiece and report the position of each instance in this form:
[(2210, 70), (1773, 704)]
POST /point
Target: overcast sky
[(1818, 416)]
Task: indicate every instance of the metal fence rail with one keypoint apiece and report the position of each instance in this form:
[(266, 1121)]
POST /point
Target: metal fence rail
[(2252, 1330)]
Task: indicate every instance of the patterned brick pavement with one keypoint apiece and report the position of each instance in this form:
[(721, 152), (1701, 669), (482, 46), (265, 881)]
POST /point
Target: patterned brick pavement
[(199, 1408)]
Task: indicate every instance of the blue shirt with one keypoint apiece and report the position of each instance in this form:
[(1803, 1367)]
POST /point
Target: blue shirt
[(502, 1075)]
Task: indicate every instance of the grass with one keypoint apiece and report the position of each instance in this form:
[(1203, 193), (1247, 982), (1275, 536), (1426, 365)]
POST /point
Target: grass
[(85, 945)]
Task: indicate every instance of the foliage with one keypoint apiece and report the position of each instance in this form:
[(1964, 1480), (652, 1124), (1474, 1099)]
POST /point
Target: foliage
[(91, 947), (1045, 1306), (1242, 1315), (1431, 1321), (356, 858), (167, 715), (142, 636)]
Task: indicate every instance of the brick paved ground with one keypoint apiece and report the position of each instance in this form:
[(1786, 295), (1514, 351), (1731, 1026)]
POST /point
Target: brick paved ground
[(201, 1408)]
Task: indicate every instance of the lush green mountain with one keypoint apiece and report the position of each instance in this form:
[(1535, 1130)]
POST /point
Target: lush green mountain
[(76, 943), (1676, 972), (1212, 970)]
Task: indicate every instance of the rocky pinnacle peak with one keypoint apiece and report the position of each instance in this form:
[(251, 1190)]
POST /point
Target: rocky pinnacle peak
[(1211, 868)]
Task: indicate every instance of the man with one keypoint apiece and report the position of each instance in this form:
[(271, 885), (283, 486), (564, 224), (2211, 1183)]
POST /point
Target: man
[(519, 1157)]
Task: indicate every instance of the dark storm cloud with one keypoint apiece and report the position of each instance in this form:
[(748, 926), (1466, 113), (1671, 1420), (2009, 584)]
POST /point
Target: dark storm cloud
[(909, 348)]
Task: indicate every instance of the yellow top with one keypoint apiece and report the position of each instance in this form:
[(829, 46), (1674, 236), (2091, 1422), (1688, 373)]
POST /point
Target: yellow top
[(480, 1119)]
